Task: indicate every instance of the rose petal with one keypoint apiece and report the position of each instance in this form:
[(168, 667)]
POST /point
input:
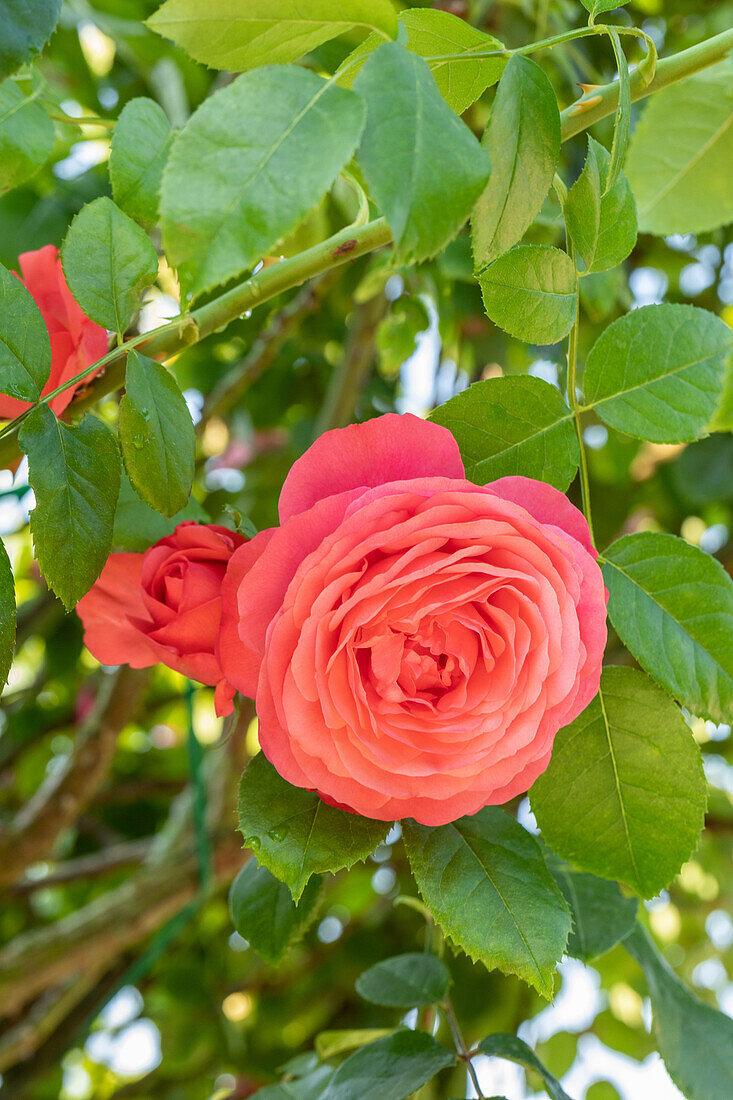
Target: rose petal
[(389, 448)]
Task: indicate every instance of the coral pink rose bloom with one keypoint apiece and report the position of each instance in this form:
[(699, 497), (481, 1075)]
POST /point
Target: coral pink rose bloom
[(164, 606), (414, 641), (76, 342)]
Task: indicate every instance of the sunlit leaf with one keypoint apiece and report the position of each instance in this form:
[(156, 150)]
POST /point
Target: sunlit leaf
[(265, 32)]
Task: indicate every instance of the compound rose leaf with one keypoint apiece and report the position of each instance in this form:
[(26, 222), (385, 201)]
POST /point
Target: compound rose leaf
[(485, 881), (294, 834), (624, 796)]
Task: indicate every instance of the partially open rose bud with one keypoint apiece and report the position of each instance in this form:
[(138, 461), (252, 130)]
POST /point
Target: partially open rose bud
[(164, 606)]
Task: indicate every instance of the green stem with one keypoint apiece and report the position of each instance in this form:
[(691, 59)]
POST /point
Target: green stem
[(544, 44), (460, 1043), (600, 102), (163, 342), (575, 407)]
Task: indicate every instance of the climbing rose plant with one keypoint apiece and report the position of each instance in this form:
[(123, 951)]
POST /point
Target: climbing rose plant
[(423, 631)]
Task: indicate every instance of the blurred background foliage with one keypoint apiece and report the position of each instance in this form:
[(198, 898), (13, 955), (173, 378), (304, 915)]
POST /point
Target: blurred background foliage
[(92, 1004)]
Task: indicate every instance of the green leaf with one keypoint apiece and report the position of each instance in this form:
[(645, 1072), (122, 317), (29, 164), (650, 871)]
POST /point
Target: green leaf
[(26, 135), (7, 615), (531, 292), (680, 155), (602, 916), (265, 32), (329, 1044), (308, 1087), (601, 222), (141, 141), (485, 881), (157, 435), (672, 606), (294, 833), (509, 1046), (396, 337), (25, 347), (24, 30), (695, 1041), (523, 142), (264, 913), (431, 33), (424, 208), (624, 795), (657, 372), (514, 425), (75, 474), (108, 261), (414, 980), (595, 7), (392, 1068), (249, 165), (137, 526)]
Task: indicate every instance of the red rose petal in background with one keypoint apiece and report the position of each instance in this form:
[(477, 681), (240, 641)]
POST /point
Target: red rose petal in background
[(76, 342)]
